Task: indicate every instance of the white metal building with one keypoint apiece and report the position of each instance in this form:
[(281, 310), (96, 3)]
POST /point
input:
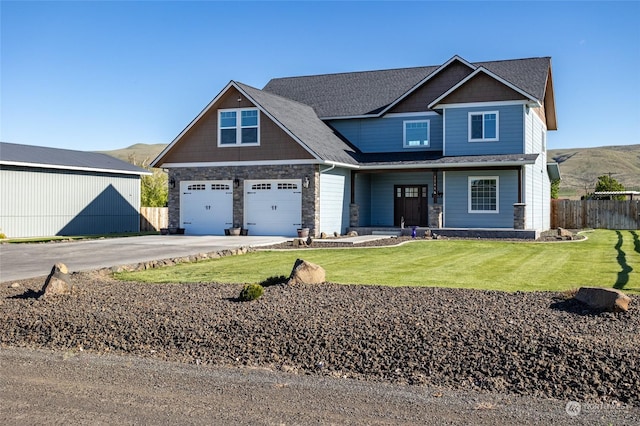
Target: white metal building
[(49, 191)]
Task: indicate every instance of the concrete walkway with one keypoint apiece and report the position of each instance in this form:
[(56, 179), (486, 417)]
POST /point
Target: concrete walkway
[(22, 261), (353, 240)]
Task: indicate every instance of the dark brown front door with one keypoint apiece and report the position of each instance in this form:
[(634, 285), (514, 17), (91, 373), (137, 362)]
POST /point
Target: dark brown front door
[(410, 204)]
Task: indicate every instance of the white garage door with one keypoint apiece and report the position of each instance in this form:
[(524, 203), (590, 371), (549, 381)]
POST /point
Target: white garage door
[(273, 207), (206, 207)]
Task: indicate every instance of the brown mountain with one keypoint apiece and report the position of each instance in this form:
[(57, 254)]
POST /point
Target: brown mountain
[(139, 154), (580, 167)]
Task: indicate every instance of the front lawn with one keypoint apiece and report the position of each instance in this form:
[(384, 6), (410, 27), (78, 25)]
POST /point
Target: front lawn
[(606, 259)]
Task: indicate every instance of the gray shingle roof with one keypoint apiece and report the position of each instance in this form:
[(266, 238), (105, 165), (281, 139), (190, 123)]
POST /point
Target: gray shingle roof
[(529, 75), (39, 156), (301, 121), (362, 93), (349, 94)]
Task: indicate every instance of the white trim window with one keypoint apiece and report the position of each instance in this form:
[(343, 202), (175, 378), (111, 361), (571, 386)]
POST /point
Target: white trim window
[(484, 126), (238, 127), (415, 133), (484, 194)]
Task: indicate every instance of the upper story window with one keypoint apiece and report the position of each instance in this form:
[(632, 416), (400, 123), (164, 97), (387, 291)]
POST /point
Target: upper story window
[(238, 127), (416, 133), (483, 126), (483, 194)]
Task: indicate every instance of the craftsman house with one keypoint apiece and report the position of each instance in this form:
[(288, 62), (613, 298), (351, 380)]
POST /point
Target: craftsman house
[(459, 147)]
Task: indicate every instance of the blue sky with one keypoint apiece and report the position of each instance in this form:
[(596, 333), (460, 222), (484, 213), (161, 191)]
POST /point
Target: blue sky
[(106, 75)]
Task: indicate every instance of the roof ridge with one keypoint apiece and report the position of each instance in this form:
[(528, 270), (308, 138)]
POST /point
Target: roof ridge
[(405, 68), (356, 72), (276, 95), (511, 60)]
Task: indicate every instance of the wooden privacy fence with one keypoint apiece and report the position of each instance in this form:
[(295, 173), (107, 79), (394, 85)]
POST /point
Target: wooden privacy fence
[(605, 214), (153, 218)]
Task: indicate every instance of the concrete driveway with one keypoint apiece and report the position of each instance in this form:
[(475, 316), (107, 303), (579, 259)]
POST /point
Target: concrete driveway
[(21, 261)]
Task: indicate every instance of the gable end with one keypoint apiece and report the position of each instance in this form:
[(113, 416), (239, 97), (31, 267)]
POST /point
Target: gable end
[(435, 86), (482, 88), (199, 141)]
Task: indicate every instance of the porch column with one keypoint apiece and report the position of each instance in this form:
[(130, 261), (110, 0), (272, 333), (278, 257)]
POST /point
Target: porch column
[(519, 216), (436, 192), (435, 216), (354, 215)]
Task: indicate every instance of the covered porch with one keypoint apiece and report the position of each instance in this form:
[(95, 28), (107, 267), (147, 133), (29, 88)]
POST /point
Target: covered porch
[(396, 196)]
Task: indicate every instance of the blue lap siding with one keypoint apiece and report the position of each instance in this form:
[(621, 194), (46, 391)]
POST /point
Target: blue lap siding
[(510, 133), (456, 200), (386, 134), (334, 200)]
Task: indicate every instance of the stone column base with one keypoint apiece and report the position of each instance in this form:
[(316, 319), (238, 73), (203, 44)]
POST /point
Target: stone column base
[(519, 216), (435, 216), (354, 215)]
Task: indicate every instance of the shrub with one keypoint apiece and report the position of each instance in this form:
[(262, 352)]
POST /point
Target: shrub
[(251, 292)]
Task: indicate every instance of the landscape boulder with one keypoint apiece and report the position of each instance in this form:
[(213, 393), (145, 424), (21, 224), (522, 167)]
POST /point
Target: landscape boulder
[(603, 299), (58, 281), (299, 242), (564, 233), (306, 273)]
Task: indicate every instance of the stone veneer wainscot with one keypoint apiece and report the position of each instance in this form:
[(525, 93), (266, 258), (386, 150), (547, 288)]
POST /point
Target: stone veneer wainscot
[(310, 195)]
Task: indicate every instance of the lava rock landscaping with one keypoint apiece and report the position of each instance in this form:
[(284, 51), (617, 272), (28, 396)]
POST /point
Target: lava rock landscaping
[(536, 344)]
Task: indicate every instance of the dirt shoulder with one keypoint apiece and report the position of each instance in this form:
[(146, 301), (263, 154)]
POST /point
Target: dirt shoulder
[(72, 387)]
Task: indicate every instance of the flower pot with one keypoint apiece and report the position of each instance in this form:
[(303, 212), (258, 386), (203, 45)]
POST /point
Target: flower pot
[(234, 231), (303, 232)]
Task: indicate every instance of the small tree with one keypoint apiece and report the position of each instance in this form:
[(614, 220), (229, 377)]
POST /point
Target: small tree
[(555, 189), (606, 184), (154, 190)]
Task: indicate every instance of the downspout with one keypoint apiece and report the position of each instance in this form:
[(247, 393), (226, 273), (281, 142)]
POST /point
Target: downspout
[(333, 166)]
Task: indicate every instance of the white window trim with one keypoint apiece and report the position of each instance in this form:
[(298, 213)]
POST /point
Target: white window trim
[(238, 112), (404, 134), (483, 113), (471, 179)]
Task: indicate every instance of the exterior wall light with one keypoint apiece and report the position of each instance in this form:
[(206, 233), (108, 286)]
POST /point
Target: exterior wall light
[(172, 183), (305, 182)]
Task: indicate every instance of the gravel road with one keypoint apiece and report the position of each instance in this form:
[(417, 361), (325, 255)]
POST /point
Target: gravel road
[(72, 387), (491, 355)]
